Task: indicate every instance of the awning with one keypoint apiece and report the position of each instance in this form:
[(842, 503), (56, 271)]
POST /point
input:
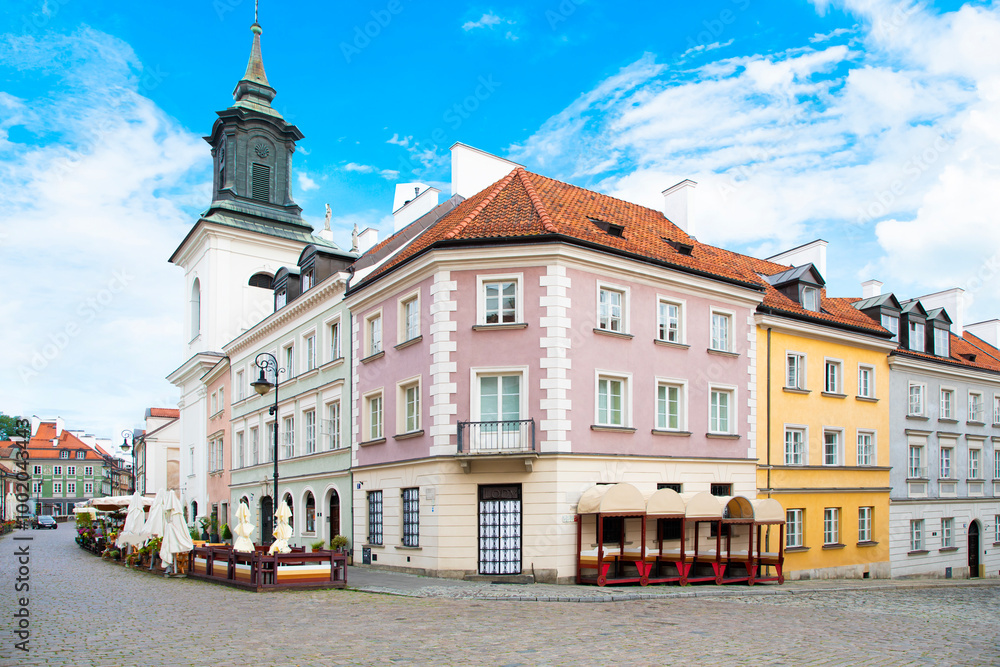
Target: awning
[(665, 502), (768, 510), (621, 498), (112, 503), (702, 506)]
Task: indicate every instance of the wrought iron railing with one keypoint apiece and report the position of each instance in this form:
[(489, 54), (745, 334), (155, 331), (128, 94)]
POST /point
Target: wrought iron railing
[(496, 436)]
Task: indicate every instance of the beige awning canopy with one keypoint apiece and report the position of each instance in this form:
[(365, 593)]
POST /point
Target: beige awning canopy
[(621, 498), (702, 506), (768, 510), (738, 507), (665, 502), (112, 503)]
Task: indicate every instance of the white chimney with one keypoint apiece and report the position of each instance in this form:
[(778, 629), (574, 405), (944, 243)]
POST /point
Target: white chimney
[(60, 425), (870, 288), (988, 331), (811, 253), (412, 200), (953, 301), (678, 205), (367, 239), (473, 170)]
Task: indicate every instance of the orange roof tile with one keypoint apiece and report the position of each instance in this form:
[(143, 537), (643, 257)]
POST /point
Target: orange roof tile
[(164, 412), (987, 357)]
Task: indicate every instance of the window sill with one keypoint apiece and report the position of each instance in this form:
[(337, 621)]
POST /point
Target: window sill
[(723, 436), (947, 549), (406, 548), (612, 429), (827, 547), (975, 423), (947, 420), (948, 479), (308, 374), (833, 394), (679, 434), (408, 435), (368, 443), (407, 343), (795, 550), (500, 327), (918, 479), (614, 334), (918, 417), (680, 346), (866, 399), (868, 543), (373, 357), (373, 546), (795, 390), (918, 552), (723, 353)]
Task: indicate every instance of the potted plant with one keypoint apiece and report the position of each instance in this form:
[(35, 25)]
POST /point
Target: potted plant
[(317, 545), (227, 534), (213, 525), (204, 523), (338, 542)]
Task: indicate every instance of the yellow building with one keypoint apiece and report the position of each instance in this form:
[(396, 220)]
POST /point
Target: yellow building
[(823, 425)]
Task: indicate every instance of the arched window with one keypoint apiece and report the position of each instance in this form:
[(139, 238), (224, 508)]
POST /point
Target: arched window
[(291, 509), (334, 516), (262, 280), (194, 510), (310, 513), (195, 308)]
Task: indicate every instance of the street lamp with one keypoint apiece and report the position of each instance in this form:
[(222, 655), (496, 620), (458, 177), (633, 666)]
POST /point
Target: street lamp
[(126, 437), (266, 362)]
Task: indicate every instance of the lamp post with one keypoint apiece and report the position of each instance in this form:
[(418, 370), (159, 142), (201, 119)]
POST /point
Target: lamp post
[(130, 436), (266, 362)]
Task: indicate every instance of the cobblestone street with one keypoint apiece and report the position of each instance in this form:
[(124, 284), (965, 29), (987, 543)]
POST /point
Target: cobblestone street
[(85, 611)]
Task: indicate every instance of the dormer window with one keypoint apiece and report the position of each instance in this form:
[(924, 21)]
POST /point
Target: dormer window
[(810, 299), (307, 280), (610, 228), (891, 322), (81, 455), (64, 454), (280, 299), (942, 342), (916, 336)]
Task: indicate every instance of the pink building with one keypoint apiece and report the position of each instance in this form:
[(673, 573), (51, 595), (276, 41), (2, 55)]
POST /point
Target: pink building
[(219, 447), (514, 348)]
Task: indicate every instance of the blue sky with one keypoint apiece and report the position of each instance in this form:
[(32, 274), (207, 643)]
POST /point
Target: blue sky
[(870, 123)]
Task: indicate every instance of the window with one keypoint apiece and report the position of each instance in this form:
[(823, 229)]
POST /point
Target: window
[(721, 330), (88, 488), (795, 446), (333, 424), (64, 454), (831, 448), (310, 513), (411, 517), (37, 490), (335, 340), (996, 409), (409, 395), (215, 461), (38, 470), (241, 388), (719, 415), (668, 322), (611, 410), (409, 318), (310, 431), (611, 309), (239, 450), (996, 465), (195, 308), (307, 281), (793, 528), (916, 402), (947, 533), (831, 525), (976, 407), (375, 517), (721, 490), (500, 399), (668, 407), (374, 334), (866, 448), (947, 404), (71, 488), (917, 469), (310, 352), (215, 403), (254, 446), (260, 182), (916, 336), (891, 322), (81, 455), (996, 532), (290, 361), (288, 438), (71, 470), (88, 471), (795, 370), (831, 382), (669, 485), (222, 399), (946, 459), (975, 472), (56, 487), (866, 382), (810, 299), (865, 524), (56, 470), (374, 422), (280, 299), (941, 341), (499, 300), (916, 534)]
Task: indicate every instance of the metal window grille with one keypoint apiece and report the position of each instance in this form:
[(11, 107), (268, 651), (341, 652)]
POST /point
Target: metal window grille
[(411, 517), (260, 186), (722, 489), (500, 529), (374, 517), (669, 485)]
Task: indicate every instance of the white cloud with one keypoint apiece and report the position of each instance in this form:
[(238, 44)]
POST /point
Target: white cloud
[(888, 147), (90, 215), (306, 183), (399, 141), (488, 20), (387, 174), (825, 37)]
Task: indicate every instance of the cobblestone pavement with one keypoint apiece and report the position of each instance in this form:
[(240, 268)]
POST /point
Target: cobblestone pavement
[(85, 612)]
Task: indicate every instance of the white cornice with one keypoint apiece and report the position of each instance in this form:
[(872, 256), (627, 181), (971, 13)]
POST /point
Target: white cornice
[(193, 368), (827, 333), (899, 362), (206, 229)]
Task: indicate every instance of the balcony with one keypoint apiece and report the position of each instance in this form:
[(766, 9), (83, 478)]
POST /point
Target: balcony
[(497, 439)]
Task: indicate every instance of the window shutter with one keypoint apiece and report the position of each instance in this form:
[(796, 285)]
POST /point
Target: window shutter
[(260, 186)]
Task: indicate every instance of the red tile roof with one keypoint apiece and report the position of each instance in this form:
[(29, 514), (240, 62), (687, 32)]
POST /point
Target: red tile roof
[(171, 413), (962, 350), (40, 446)]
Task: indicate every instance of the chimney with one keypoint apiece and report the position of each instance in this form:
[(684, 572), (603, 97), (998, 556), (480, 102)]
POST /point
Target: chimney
[(678, 205), (472, 170), (367, 240), (811, 253), (953, 301), (60, 425), (870, 288), (988, 331), (412, 200)]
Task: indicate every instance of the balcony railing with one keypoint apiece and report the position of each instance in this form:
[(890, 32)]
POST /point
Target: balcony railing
[(496, 437)]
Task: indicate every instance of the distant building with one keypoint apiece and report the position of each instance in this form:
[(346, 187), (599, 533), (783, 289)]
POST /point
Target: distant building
[(157, 451)]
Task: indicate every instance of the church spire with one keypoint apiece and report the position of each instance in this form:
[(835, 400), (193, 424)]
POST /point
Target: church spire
[(253, 90)]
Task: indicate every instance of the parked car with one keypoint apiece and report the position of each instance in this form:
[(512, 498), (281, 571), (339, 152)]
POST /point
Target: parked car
[(44, 521)]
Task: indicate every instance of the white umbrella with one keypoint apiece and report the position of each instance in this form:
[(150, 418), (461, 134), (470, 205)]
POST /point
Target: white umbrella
[(282, 531), (155, 522), (244, 529), (134, 520), (176, 538), (11, 506)]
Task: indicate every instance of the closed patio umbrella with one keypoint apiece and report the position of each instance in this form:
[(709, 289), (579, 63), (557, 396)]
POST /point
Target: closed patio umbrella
[(134, 520), (282, 531), (155, 521), (176, 538), (244, 529), (11, 507)]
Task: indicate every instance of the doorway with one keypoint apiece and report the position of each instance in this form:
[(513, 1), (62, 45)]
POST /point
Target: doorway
[(266, 520), (334, 515), (974, 549), (500, 529)]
